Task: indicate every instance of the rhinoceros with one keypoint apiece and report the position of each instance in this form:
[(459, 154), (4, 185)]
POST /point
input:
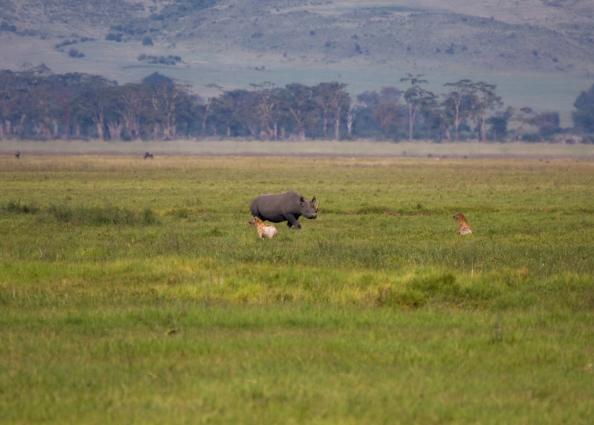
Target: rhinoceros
[(287, 207)]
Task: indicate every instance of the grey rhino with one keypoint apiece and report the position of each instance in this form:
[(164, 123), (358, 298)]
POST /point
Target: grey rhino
[(287, 207)]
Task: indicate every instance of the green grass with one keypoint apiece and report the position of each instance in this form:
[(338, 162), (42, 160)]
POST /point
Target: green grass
[(134, 291)]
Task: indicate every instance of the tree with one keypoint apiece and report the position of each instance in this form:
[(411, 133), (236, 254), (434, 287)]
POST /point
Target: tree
[(91, 106), (583, 116), (388, 111), (416, 98), (499, 122), (245, 113), (364, 122), (434, 123), (455, 103), (190, 110), (523, 118), (302, 110), (39, 104), (269, 112), (547, 123), (483, 99), (379, 114), (165, 96), (334, 101), (135, 102), (534, 126), (220, 113)]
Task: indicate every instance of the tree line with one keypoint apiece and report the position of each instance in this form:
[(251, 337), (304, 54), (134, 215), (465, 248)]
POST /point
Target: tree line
[(44, 106)]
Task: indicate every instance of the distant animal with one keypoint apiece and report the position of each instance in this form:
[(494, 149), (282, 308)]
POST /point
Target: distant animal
[(264, 230), (17, 155), (463, 226), (148, 155), (288, 206)]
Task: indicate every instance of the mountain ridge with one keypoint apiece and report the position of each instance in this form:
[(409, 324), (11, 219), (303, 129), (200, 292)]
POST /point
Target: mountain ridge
[(330, 31), (232, 43)]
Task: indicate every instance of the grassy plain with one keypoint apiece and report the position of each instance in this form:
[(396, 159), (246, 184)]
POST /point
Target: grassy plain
[(365, 148), (134, 291)]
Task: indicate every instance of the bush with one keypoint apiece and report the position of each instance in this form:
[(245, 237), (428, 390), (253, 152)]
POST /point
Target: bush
[(65, 43), (583, 117), (74, 53), (149, 217), (440, 288), (114, 37), (169, 60), (4, 26), (17, 207)]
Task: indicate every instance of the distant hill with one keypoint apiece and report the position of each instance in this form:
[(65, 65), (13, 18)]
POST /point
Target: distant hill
[(232, 43)]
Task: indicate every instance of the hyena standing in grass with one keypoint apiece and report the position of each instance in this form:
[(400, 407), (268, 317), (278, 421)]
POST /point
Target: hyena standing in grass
[(264, 230), (463, 226)]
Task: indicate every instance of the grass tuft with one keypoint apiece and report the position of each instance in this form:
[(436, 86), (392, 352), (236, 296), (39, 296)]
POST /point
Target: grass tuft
[(19, 207), (101, 215)]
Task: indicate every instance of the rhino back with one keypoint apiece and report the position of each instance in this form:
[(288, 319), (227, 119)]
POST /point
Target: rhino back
[(273, 206)]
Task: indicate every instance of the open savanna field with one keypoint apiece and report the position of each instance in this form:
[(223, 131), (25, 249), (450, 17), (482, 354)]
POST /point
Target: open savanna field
[(134, 291)]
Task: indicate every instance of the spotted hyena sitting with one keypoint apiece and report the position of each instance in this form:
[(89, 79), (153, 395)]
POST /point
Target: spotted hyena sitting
[(463, 226), (264, 230)]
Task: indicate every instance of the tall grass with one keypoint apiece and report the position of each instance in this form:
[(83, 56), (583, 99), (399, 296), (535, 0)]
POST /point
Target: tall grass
[(64, 213), (18, 207), (101, 215), (136, 292)]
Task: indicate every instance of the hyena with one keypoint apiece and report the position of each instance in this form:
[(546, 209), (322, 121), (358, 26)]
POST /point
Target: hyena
[(264, 230), (463, 226)]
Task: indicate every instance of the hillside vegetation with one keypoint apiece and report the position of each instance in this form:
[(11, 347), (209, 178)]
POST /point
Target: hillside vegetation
[(534, 35)]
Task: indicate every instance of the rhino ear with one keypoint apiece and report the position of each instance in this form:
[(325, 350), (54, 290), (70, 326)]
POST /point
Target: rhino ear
[(302, 199), (315, 203)]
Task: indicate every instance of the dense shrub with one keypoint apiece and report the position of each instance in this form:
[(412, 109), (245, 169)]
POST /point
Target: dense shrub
[(74, 53), (114, 37), (18, 207), (160, 60)]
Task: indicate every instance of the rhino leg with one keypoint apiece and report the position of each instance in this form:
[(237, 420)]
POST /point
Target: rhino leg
[(292, 221)]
